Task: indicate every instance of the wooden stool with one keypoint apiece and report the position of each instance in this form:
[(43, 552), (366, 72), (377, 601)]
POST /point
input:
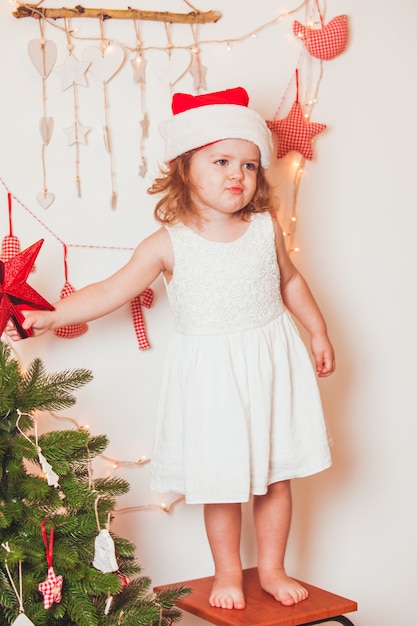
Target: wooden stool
[(261, 608)]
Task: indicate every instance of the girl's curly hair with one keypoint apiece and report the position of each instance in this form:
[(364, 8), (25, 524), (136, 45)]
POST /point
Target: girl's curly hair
[(175, 188)]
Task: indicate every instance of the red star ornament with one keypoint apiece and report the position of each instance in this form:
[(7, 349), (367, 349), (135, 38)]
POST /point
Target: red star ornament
[(295, 132), (15, 293), (51, 589)]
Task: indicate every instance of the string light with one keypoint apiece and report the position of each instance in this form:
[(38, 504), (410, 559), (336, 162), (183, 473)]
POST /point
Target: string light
[(166, 508), (116, 464)]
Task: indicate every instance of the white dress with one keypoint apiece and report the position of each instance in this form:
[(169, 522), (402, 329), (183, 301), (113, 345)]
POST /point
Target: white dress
[(239, 407)]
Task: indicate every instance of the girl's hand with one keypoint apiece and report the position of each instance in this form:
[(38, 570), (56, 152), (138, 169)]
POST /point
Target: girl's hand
[(38, 321), (323, 355)]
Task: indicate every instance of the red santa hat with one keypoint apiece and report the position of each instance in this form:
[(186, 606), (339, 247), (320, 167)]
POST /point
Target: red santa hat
[(206, 118)]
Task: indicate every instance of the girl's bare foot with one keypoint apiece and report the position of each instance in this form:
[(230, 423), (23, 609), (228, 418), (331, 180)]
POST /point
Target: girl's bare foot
[(283, 588), (227, 591)]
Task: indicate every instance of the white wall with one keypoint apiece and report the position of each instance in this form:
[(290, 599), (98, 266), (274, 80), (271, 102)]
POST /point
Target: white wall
[(354, 526)]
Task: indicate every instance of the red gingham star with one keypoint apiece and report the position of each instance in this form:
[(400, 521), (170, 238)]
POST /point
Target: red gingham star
[(51, 589), (295, 132)]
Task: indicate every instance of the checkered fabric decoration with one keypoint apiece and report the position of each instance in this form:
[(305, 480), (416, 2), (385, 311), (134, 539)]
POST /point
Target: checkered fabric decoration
[(144, 299), (10, 246), (295, 132), (51, 589), (327, 42), (74, 330)]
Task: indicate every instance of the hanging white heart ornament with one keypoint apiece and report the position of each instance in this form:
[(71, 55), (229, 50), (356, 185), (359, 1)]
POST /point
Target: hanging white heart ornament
[(46, 127), (42, 53), (45, 199), (170, 66), (104, 65), (22, 620)]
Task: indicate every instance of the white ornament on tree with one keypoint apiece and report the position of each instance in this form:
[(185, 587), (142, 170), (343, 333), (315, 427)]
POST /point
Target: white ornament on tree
[(104, 555), (22, 620), (50, 475)]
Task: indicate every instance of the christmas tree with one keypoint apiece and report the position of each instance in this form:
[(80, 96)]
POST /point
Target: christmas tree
[(59, 563)]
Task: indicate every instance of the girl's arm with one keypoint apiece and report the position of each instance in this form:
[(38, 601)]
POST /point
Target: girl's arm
[(150, 258), (299, 300)]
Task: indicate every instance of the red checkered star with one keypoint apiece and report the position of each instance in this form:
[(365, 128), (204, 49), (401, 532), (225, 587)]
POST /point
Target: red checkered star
[(15, 293), (295, 132), (51, 589)]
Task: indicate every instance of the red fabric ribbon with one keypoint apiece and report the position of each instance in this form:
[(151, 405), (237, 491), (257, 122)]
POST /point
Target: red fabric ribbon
[(144, 299), (49, 548)]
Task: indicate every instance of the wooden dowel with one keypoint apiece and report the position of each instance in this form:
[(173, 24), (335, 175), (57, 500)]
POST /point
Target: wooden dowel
[(194, 17)]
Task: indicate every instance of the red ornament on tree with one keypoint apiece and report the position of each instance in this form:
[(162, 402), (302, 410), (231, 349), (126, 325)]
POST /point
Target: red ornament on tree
[(15, 293), (51, 588)]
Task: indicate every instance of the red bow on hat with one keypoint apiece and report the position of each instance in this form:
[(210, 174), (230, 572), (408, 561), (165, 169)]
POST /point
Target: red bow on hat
[(183, 101)]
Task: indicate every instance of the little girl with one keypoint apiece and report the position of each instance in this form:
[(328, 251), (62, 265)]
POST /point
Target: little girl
[(239, 413)]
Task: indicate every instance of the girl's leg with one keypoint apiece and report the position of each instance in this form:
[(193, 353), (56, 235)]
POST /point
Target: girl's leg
[(272, 516), (223, 526)]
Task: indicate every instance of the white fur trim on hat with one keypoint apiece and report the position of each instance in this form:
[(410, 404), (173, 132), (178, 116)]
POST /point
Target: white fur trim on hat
[(200, 126)]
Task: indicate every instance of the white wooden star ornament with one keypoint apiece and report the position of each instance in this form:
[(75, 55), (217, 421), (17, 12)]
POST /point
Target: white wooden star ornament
[(138, 64), (77, 133), (73, 72)]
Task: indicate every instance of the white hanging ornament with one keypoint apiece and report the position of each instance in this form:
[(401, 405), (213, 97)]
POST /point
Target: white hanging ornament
[(104, 61), (45, 198), (198, 72), (104, 555), (46, 127), (22, 620), (43, 55), (72, 72), (51, 477), (138, 64), (170, 65)]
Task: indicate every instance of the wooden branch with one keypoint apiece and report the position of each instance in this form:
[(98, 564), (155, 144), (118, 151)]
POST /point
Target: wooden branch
[(194, 17)]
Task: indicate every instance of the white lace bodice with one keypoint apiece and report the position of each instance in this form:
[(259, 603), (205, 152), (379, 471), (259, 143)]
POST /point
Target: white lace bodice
[(224, 287)]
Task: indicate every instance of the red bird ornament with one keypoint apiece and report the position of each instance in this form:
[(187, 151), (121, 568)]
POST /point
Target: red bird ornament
[(15, 293)]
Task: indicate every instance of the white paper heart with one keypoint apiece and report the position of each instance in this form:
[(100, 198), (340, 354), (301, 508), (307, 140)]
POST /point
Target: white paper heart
[(46, 127), (170, 67), (104, 66), (22, 620), (45, 199), (42, 57)]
